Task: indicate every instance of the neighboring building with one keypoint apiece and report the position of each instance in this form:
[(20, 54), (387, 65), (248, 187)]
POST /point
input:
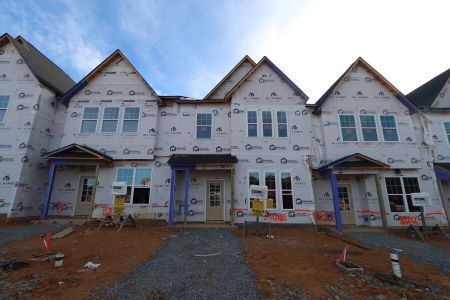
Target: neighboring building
[(369, 154), (433, 98), (29, 123)]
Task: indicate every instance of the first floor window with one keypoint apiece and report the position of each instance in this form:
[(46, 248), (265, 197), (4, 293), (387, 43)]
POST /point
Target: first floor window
[(270, 181), (4, 102), (389, 128), (131, 119), (110, 118), (89, 122), (348, 128), (282, 124), (204, 124), (286, 190), (253, 179), (368, 128), (446, 127), (267, 123), (138, 184), (252, 124), (399, 193)]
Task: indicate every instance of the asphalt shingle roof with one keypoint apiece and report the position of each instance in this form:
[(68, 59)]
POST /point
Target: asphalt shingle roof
[(425, 94)]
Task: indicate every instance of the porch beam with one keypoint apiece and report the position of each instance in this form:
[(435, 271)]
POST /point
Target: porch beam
[(172, 196), (337, 210), (186, 195), (49, 190), (94, 189), (381, 201), (233, 192)]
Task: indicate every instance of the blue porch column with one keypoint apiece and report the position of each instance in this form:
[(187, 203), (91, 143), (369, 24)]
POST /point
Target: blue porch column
[(186, 195), (48, 191), (337, 209), (172, 196)]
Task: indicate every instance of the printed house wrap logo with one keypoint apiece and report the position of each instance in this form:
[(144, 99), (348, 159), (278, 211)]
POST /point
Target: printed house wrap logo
[(67, 188)]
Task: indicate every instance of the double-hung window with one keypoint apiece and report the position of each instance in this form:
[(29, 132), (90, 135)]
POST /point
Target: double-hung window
[(110, 119), (399, 193), (286, 190), (131, 119), (204, 124), (389, 128), (4, 102), (446, 127), (252, 124), (282, 124), (89, 122), (267, 123), (368, 128), (270, 181), (138, 184), (253, 179), (348, 128)]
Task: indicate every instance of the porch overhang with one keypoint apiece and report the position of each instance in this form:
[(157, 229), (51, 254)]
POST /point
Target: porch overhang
[(76, 152), (442, 171), (202, 161), (356, 163)]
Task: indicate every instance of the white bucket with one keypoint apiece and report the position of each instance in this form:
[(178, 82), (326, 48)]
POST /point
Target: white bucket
[(59, 260)]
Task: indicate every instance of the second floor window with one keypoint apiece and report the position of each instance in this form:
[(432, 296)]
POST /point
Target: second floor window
[(446, 127), (252, 124), (110, 119), (348, 128), (282, 124), (267, 123), (89, 122), (389, 128), (204, 124), (368, 128), (131, 119), (4, 102)]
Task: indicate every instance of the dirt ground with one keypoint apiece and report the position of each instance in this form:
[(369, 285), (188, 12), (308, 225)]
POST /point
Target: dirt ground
[(302, 258), (118, 253)]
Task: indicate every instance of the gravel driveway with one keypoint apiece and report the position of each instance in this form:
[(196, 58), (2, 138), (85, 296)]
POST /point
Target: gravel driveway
[(12, 233), (195, 264), (421, 252)]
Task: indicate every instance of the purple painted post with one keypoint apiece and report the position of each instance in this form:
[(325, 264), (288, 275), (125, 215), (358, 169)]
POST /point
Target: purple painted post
[(186, 194), (48, 191), (172, 196), (337, 209)]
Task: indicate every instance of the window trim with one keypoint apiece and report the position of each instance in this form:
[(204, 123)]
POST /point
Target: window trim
[(123, 120), (96, 120), (405, 200), (340, 128), (103, 119), (196, 125), (396, 128), (445, 132), (376, 127), (287, 125), (271, 123), (6, 109), (133, 185), (276, 190), (257, 124), (281, 189)]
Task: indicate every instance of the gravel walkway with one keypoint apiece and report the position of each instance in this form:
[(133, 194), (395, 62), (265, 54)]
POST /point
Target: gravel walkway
[(196, 264), (421, 252), (12, 233)]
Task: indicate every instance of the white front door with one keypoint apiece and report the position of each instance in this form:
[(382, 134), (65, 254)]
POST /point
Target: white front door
[(346, 204), (84, 198), (214, 200)]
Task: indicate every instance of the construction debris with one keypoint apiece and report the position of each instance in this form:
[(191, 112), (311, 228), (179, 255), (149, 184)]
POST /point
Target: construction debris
[(15, 265), (63, 233), (91, 265)]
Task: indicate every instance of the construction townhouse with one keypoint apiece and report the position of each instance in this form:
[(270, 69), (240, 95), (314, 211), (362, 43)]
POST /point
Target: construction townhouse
[(353, 157)]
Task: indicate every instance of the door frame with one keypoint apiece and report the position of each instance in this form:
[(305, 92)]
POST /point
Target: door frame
[(79, 186), (206, 197), (351, 202)]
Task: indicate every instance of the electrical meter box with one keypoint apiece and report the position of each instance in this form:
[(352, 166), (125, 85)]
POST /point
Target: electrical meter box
[(119, 188)]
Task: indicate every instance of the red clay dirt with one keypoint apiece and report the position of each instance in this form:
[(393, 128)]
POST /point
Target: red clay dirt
[(304, 258), (118, 253)]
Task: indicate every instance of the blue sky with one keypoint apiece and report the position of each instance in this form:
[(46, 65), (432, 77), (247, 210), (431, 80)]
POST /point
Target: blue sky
[(186, 47)]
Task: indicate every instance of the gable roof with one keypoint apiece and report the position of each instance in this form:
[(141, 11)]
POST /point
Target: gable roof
[(355, 160), (243, 60), (426, 94), (360, 61), (83, 82), (77, 152), (46, 71), (277, 71)]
